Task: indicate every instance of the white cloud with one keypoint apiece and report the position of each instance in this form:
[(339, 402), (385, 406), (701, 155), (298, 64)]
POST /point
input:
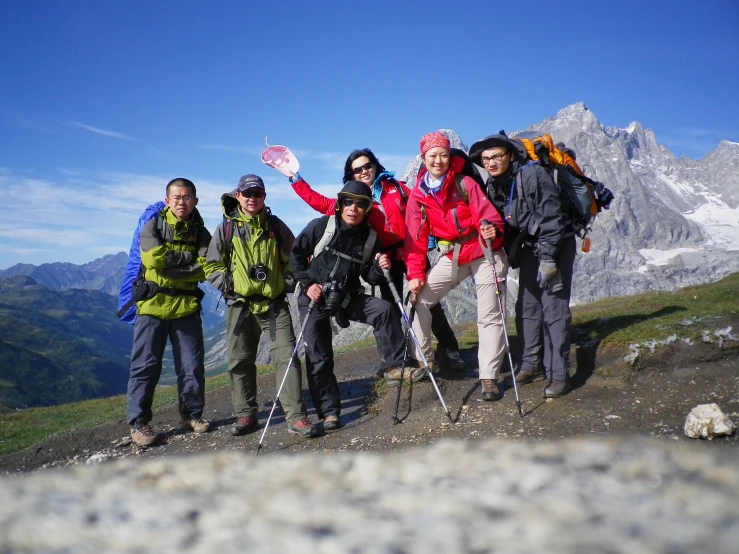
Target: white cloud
[(99, 131), (75, 216)]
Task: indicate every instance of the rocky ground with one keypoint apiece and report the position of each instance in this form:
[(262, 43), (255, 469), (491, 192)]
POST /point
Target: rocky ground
[(654, 401)]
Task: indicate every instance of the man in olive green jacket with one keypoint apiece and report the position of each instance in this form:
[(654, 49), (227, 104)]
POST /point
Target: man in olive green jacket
[(173, 248), (248, 262)]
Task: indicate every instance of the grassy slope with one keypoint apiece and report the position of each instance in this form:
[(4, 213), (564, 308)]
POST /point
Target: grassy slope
[(613, 323)]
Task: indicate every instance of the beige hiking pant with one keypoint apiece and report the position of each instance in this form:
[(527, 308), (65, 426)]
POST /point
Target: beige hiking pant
[(491, 349)]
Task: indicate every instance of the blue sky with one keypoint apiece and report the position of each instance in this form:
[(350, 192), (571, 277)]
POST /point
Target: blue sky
[(104, 102)]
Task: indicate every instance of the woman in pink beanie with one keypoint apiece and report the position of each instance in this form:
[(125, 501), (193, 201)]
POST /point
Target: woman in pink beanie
[(450, 207)]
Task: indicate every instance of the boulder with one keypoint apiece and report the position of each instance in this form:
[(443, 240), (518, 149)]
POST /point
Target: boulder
[(707, 421)]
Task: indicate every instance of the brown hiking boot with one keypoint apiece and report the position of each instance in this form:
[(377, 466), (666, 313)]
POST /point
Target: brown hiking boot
[(198, 425), (244, 425), (142, 434), (530, 376), (331, 423), (490, 390), (392, 376)]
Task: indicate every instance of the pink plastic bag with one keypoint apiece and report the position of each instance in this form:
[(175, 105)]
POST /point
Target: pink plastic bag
[(280, 158)]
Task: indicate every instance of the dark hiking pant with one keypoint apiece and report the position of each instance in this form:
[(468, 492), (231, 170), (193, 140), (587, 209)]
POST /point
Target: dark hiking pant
[(150, 336), (319, 352), (242, 355), (543, 318), (439, 324)]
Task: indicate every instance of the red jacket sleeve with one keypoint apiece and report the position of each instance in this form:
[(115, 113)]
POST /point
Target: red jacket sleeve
[(318, 202), (416, 241), (482, 208)]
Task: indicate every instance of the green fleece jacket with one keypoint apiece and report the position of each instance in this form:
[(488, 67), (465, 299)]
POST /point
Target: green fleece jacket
[(254, 240), (173, 258)]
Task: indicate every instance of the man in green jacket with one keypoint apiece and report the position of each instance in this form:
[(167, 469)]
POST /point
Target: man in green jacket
[(248, 262), (173, 248)]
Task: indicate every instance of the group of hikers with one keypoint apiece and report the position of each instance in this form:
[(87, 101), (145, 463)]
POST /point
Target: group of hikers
[(379, 230)]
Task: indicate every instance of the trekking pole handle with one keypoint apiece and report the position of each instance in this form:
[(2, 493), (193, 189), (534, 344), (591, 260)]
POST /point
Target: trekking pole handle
[(488, 243)]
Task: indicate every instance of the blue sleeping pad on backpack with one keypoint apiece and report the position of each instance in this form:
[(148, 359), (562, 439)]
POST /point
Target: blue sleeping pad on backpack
[(133, 265)]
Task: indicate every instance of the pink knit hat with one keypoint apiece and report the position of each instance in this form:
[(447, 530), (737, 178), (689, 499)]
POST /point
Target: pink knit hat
[(433, 140)]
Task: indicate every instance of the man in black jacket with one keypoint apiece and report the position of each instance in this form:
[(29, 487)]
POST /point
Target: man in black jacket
[(328, 258), (540, 241)]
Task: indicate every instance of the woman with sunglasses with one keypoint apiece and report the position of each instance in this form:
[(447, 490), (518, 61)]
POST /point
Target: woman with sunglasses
[(453, 208), (389, 199)]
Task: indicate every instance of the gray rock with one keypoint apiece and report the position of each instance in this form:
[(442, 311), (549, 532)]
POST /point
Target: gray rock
[(575, 496)]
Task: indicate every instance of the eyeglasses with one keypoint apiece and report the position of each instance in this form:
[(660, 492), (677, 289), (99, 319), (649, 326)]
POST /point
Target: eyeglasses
[(361, 204), (184, 199), (252, 194), (494, 158), (365, 167)]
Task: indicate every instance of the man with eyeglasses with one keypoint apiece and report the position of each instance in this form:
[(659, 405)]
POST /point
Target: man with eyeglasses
[(540, 240), (173, 248), (248, 261), (329, 256)]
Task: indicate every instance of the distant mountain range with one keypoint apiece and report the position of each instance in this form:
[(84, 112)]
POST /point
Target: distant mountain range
[(59, 346)]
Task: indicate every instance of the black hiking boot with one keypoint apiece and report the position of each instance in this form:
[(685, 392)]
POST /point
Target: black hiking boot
[(244, 425), (331, 423), (556, 388), (449, 359)]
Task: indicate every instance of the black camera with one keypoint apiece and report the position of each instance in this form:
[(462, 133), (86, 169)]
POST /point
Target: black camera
[(334, 292), (258, 272)]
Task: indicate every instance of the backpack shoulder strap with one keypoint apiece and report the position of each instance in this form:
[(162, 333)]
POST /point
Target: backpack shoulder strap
[(328, 234), (369, 245), (459, 180)]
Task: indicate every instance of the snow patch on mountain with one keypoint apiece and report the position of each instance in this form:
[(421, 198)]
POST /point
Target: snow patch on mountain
[(657, 257), (719, 222)]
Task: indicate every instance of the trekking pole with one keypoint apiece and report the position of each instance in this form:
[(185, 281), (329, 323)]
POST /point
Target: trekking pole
[(489, 256), (396, 296), (405, 357), (284, 377)]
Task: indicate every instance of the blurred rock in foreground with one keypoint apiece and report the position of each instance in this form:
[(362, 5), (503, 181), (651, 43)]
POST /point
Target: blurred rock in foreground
[(584, 495)]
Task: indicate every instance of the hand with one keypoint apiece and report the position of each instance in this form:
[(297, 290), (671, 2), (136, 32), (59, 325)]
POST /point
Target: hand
[(415, 285), (314, 292), (383, 261), (549, 277), (489, 232), (290, 175)]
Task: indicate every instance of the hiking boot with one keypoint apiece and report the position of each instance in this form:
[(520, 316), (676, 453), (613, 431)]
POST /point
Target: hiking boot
[(142, 434), (555, 389), (490, 390), (303, 428), (450, 359), (392, 376), (530, 376), (198, 425), (244, 426), (331, 423)]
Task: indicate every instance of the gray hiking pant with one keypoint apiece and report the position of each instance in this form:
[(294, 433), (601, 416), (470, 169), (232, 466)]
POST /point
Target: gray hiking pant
[(543, 318), (150, 336), (242, 355)]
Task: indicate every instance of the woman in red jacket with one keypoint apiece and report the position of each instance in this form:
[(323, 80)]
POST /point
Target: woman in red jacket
[(449, 206), (388, 219)]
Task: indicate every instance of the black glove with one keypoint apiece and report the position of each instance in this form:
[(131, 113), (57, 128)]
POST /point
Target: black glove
[(290, 281)]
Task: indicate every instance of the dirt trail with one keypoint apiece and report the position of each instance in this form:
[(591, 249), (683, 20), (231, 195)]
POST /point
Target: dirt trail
[(655, 401)]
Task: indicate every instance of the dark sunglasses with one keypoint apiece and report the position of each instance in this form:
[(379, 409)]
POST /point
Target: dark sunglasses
[(361, 204), (365, 167), (253, 194)]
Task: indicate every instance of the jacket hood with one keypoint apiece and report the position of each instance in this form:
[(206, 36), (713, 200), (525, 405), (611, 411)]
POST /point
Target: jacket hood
[(496, 141)]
